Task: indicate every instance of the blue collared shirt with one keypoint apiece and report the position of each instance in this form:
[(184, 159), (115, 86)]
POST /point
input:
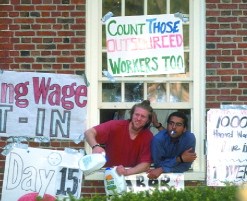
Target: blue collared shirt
[(165, 152)]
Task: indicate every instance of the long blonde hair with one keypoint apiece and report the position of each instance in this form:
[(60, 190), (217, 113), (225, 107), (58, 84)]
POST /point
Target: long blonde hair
[(146, 106)]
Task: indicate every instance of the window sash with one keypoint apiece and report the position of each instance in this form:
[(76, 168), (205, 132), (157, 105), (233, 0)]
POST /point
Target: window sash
[(146, 79)]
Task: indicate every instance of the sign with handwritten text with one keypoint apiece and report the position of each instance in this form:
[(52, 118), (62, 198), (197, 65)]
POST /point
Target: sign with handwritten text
[(140, 182), (42, 105), (142, 45), (227, 146), (54, 174)]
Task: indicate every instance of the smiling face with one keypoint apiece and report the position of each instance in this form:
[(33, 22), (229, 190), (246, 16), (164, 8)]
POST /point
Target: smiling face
[(140, 118), (176, 124), (54, 159)]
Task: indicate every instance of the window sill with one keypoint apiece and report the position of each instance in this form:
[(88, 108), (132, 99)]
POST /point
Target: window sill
[(188, 176)]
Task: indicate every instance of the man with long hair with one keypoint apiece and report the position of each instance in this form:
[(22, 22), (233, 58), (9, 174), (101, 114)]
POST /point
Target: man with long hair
[(125, 142)]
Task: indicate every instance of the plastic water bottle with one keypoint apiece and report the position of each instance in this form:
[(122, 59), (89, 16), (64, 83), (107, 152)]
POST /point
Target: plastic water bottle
[(114, 183), (92, 162)]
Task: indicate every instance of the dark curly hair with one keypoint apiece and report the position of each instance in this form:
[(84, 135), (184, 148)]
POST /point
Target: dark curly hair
[(180, 115), (146, 106)]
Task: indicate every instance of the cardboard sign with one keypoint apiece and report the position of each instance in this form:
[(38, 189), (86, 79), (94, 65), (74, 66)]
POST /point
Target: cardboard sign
[(50, 173), (42, 105), (227, 146), (140, 182), (144, 45)]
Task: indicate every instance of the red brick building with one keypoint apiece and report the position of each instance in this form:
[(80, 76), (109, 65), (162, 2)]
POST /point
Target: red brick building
[(67, 36)]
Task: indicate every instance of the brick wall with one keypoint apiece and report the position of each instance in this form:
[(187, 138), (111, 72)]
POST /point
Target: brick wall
[(49, 36), (226, 52), (43, 36)]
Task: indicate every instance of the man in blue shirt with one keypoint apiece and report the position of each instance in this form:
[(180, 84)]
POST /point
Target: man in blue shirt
[(173, 149)]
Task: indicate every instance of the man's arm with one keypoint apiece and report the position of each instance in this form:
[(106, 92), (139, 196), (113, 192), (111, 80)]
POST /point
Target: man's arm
[(183, 163), (139, 168), (90, 137), (180, 163), (156, 123)]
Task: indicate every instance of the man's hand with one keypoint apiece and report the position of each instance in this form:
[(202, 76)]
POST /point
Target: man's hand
[(155, 120), (188, 155), (154, 173), (98, 150), (121, 170)]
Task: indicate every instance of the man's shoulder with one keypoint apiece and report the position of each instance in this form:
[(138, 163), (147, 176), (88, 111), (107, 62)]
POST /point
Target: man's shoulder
[(121, 122), (189, 134), (113, 124), (148, 133), (161, 133), (118, 122)]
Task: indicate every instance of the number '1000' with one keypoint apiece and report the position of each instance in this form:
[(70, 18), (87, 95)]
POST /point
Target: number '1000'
[(233, 122)]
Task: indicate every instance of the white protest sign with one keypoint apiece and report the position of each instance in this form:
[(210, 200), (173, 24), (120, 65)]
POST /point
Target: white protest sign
[(31, 172), (226, 146), (140, 182), (42, 105), (143, 45)]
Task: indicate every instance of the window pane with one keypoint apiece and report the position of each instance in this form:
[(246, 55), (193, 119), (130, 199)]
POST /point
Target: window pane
[(112, 6), (186, 36), (111, 92), (181, 6), (156, 7), (134, 7), (179, 92), (109, 114), (109, 6), (156, 92), (187, 63), (187, 69), (104, 61), (103, 37), (134, 92)]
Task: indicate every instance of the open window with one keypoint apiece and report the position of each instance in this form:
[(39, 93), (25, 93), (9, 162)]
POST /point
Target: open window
[(167, 93)]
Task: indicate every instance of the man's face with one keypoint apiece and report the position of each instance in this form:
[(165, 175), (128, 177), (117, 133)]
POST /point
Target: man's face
[(139, 118), (176, 124)]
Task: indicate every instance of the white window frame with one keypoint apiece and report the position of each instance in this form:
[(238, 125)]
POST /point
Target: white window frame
[(197, 60)]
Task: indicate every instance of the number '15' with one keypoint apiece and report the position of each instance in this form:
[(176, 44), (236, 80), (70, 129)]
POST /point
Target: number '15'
[(75, 180)]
